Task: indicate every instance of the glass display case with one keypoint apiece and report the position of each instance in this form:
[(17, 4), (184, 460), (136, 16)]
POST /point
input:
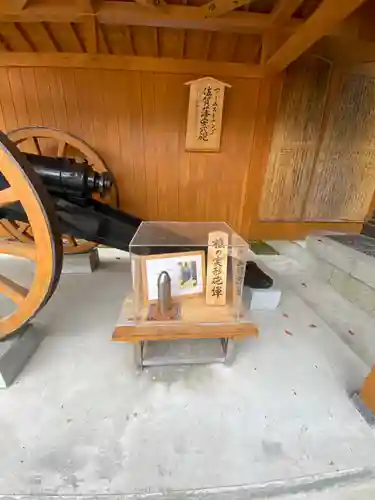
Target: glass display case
[(186, 273)]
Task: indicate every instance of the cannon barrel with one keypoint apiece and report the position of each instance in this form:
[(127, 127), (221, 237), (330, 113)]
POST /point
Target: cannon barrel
[(65, 176)]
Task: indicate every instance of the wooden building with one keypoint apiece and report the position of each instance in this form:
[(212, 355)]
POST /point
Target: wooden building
[(297, 150)]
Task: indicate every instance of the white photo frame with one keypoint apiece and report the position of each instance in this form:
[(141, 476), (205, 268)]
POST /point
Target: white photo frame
[(187, 271)]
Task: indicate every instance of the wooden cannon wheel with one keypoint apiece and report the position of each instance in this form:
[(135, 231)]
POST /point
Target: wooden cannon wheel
[(25, 187), (53, 142)]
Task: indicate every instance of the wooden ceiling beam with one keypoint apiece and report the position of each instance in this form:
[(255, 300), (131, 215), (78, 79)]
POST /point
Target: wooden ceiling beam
[(152, 4), (89, 6), (12, 5), (321, 22), (133, 14), (215, 8), (183, 17), (130, 63)]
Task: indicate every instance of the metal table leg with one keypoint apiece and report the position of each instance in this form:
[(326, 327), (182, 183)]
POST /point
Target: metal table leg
[(138, 355), (229, 348)]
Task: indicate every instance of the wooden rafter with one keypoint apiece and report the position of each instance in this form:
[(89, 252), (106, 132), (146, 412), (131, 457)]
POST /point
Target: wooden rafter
[(4, 45), (215, 8), (91, 35), (321, 22), (283, 11), (273, 37), (25, 36), (74, 37), (50, 39)]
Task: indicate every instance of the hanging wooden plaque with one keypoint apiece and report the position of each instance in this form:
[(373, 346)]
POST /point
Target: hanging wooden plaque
[(205, 115)]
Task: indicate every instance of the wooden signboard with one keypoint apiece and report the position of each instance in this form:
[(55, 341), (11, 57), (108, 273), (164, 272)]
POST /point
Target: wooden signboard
[(239, 253), (205, 114), (217, 267)]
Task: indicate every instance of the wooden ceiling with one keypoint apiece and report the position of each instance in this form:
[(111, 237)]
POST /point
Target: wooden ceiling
[(268, 34)]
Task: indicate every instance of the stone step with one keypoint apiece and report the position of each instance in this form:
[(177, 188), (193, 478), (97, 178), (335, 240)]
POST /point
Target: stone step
[(348, 265), (369, 228), (298, 268)]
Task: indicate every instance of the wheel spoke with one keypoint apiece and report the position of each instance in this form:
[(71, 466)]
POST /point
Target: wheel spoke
[(37, 146), (8, 195), (12, 290), (24, 227), (18, 249), (70, 240), (61, 148)]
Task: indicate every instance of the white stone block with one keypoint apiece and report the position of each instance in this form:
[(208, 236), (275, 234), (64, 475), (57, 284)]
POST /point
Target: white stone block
[(263, 299), (84, 263)]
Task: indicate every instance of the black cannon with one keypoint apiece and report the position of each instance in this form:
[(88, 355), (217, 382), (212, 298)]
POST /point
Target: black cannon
[(60, 196), (72, 186)]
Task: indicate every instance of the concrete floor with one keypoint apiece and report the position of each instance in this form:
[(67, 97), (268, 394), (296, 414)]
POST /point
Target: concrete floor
[(80, 421)]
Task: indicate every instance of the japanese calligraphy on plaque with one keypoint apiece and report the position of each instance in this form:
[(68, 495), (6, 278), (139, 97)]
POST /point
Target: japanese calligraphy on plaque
[(239, 252), (217, 266), (203, 132)]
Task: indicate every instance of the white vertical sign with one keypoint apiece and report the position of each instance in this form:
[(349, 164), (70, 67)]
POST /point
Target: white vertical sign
[(203, 132)]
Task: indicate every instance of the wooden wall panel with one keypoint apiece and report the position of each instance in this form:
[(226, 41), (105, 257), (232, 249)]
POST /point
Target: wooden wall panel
[(343, 183), (136, 121), (295, 141)]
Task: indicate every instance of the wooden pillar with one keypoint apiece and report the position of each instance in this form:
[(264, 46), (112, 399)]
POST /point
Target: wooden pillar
[(368, 391)]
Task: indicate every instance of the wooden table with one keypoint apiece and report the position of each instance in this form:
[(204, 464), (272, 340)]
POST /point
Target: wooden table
[(218, 324)]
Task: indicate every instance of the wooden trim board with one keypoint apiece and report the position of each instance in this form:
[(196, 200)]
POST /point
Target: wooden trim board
[(133, 333), (368, 391), (298, 230), (130, 63)]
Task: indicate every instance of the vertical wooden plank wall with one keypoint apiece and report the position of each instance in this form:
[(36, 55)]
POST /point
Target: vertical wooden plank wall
[(136, 121), (296, 149)]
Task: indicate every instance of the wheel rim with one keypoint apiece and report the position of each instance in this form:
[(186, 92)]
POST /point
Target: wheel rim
[(60, 144), (26, 188)]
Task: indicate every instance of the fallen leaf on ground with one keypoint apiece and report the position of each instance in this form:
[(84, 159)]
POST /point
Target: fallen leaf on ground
[(288, 332)]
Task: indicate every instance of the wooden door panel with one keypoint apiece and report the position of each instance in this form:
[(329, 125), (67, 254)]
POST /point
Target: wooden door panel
[(343, 182), (295, 140)]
